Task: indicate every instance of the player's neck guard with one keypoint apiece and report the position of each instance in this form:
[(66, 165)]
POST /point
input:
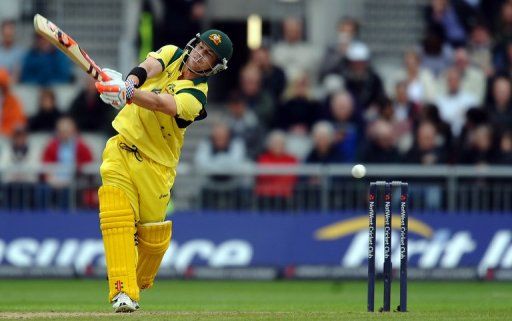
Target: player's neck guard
[(223, 65)]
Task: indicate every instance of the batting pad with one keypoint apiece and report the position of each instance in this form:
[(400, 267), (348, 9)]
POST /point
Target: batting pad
[(117, 223), (154, 239)]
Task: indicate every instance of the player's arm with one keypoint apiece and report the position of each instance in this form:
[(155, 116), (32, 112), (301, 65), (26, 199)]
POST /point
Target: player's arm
[(147, 69), (164, 103), (187, 104), (116, 92), (153, 65)]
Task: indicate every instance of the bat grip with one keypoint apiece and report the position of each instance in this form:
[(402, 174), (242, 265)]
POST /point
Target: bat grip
[(104, 76)]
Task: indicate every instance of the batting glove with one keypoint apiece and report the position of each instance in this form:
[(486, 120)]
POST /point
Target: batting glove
[(115, 92)]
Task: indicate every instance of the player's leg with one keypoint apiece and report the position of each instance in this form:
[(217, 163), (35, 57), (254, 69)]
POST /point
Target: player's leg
[(154, 235), (154, 240), (117, 223)]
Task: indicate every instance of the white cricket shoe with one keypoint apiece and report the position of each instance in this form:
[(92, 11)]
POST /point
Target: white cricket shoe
[(123, 303)]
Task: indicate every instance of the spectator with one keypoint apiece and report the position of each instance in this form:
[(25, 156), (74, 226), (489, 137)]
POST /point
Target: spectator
[(275, 191), (298, 113), (502, 55), (334, 61), (324, 152), (401, 113), (17, 153), (293, 54), (11, 111), (22, 162), (45, 65), (480, 49), (503, 31), (258, 100), (243, 124), (360, 79), (68, 151), (502, 59), (47, 115), (442, 14), (435, 56), (420, 81), (475, 117), (427, 150), (221, 151), (11, 54), (381, 144), (505, 153), (347, 125), (430, 113), (472, 78), (90, 113), (404, 110), (67, 148), (480, 148), (500, 108), (273, 77), (454, 104)]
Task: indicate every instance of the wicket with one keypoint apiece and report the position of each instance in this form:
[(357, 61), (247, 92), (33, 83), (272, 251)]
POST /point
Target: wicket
[(372, 231)]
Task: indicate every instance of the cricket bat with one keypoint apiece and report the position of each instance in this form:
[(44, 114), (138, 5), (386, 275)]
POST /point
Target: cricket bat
[(68, 46)]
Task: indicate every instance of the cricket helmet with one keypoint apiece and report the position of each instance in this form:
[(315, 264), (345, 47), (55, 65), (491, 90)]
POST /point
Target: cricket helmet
[(217, 41)]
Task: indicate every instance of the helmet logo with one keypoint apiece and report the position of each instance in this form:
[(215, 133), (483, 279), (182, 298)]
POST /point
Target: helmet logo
[(216, 38)]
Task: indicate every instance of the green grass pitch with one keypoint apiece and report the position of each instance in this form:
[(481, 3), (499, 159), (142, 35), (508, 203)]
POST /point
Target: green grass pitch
[(241, 300)]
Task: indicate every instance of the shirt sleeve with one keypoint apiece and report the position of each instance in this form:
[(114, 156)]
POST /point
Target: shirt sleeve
[(164, 55), (188, 106)]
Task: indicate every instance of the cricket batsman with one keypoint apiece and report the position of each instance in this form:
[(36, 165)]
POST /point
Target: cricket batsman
[(158, 100)]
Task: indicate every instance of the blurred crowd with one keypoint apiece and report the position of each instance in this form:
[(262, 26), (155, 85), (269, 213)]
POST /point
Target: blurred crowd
[(450, 101), (51, 135)]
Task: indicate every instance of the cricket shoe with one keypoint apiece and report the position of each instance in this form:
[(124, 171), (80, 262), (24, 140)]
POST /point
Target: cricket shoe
[(123, 303)]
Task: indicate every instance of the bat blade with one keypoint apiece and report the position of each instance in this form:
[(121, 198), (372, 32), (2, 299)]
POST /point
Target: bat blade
[(68, 46)]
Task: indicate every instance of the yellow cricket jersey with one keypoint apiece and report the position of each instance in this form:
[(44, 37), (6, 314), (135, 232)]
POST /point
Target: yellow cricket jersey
[(157, 135)]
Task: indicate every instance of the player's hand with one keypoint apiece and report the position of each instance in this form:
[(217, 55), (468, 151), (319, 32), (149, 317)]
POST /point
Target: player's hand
[(115, 91), (112, 74), (112, 92)]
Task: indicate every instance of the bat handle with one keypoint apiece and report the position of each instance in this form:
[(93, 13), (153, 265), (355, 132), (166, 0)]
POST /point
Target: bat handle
[(104, 76)]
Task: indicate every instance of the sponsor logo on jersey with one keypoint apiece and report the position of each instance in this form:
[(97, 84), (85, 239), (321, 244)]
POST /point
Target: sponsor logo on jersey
[(171, 87)]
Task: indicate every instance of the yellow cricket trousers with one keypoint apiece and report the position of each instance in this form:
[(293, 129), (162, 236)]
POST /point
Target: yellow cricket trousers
[(147, 184)]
